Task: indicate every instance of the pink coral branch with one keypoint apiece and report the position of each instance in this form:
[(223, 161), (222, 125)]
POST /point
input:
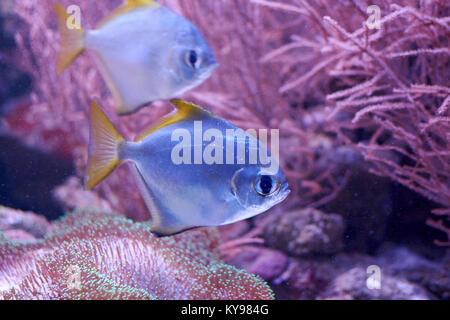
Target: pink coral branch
[(281, 6)]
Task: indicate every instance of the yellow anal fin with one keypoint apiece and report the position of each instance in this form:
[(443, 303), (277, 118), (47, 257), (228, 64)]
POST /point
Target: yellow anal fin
[(184, 111), (72, 38), (126, 7), (104, 145)]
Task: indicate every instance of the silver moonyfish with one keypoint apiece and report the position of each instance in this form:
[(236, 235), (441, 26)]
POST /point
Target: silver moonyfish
[(184, 195), (145, 52)]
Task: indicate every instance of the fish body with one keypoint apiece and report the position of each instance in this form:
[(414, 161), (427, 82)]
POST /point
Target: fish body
[(195, 193), (144, 51)]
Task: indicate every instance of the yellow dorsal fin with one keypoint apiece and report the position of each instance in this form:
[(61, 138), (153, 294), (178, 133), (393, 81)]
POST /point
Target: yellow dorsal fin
[(184, 110), (140, 3), (189, 108), (127, 6)]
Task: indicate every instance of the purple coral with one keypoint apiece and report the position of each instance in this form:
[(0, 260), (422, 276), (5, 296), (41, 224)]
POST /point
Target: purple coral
[(385, 91), (103, 256)]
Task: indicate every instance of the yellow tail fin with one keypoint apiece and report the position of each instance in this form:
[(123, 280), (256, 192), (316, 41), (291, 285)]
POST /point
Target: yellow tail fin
[(103, 147), (72, 40)]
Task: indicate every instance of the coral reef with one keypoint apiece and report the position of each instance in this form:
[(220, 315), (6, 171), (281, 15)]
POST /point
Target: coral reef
[(36, 226), (101, 255), (306, 231), (72, 195), (351, 285), (364, 133), (95, 255), (308, 68), (265, 262), (431, 276), (404, 275)]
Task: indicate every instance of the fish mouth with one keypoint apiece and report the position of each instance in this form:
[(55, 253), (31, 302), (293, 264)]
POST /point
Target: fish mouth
[(284, 191), (212, 64), (208, 71), (285, 188), (212, 61)]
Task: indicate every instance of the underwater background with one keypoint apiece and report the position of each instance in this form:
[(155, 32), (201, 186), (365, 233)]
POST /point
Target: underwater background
[(364, 125)]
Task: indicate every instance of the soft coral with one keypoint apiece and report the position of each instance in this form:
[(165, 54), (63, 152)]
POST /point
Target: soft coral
[(110, 257)]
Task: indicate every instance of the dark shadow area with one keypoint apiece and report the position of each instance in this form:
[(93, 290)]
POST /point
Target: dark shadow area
[(28, 176), (365, 204), (377, 210), (7, 24), (14, 83), (407, 222)]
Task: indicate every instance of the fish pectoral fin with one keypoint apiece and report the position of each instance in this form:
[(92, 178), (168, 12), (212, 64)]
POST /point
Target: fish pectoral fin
[(127, 6), (161, 223), (72, 39), (104, 145), (184, 111), (149, 199)]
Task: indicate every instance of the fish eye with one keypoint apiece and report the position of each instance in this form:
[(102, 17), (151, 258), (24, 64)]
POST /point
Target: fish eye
[(266, 185), (192, 59)]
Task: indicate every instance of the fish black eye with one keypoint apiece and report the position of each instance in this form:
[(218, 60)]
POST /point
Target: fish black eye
[(265, 185), (192, 59)]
